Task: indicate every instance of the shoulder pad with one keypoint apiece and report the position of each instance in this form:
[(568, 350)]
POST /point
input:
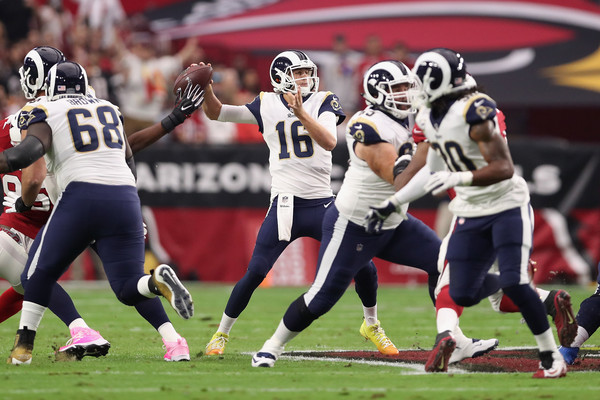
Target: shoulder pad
[(479, 108), (332, 103), (37, 114), (364, 131)]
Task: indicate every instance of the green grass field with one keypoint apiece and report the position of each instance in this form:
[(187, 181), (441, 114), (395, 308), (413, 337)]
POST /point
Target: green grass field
[(134, 368)]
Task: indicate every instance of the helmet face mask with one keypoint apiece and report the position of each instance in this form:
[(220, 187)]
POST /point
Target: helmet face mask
[(391, 87), (441, 72), (35, 68), (66, 78), (284, 68)]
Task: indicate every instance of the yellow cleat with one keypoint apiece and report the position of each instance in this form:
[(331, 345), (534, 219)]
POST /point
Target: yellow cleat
[(216, 346), (376, 334)]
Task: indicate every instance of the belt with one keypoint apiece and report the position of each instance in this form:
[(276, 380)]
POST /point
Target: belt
[(11, 232)]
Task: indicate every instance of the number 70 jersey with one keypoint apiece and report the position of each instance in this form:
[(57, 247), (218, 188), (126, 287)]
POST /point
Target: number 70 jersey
[(87, 141), (298, 165)]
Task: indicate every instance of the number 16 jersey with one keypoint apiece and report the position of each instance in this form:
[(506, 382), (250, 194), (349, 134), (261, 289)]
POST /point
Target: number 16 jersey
[(298, 165)]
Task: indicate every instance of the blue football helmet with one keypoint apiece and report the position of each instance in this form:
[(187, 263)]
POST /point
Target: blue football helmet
[(66, 78), (282, 77), (441, 72), (381, 85), (35, 68)]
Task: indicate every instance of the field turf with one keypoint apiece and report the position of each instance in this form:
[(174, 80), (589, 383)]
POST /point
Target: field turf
[(134, 368)]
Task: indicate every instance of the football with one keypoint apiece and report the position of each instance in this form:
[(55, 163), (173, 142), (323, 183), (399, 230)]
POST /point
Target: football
[(196, 74)]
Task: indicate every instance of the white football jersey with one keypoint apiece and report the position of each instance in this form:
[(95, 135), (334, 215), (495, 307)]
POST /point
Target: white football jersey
[(87, 141), (362, 187), (449, 137), (298, 165)]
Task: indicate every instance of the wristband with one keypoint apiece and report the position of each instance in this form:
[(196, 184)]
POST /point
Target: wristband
[(20, 205)]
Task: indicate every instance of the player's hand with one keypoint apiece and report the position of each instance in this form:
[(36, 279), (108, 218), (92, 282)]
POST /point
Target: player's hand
[(443, 180), (187, 102), (294, 100), (9, 202), (380, 212)]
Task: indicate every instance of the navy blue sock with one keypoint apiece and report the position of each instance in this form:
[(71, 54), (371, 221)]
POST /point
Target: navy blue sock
[(531, 307), (241, 293), (365, 284), (62, 305), (589, 314), (152, 311)]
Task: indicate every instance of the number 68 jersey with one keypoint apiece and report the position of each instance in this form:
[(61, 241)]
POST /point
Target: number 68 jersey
[(87, 141), (449, 138)]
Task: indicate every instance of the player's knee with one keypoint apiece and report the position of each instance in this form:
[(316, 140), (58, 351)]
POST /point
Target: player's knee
[(298, 316), (464, 299)]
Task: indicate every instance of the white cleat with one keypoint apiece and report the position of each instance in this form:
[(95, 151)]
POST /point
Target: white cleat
[(264, 359), (474, 348)]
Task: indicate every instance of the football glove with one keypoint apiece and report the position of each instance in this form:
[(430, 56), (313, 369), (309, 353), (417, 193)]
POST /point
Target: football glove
[(379, 213), (187, 102), (14, 203), (443, 180)]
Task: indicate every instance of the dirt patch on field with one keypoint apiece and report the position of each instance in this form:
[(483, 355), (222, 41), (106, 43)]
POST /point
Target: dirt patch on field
[(495, 361)]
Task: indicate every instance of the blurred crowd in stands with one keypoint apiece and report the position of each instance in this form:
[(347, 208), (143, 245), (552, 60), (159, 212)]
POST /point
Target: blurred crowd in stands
[(133, 67)]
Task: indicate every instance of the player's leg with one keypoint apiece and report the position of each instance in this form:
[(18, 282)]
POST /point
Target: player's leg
[(123, 259), (513, 236), (267, 249), (58, 243), (365, 284), (588, 319), (12, 261), (340, 257)]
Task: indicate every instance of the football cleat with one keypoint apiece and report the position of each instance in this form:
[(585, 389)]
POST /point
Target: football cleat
[(376, 334), (264, 359), (177, 351), (442, 351), (569, 353), (173, 290), (558, 305), (217, 343), (473, 349), (22, 350), (267, 355), (83, 342), (557, 366)]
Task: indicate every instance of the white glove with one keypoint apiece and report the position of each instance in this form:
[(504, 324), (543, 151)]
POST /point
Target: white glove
[(145, 230), (443, 180), (379, 213), (9, 201)]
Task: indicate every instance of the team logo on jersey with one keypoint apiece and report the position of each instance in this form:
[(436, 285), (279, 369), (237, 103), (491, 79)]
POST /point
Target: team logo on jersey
[(25, 118), (483, 111), (335, 104), (359, 135)]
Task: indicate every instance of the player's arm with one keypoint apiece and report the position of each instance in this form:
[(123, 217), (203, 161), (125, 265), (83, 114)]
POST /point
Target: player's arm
[(212, 105), (32, 178), (495, 151), (416, 163), (192, 98), (326, 138), (34, 146), (380, 157)]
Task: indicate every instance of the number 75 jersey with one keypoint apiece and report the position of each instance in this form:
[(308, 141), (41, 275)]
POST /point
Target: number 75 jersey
[(87, 141), (298, 165)]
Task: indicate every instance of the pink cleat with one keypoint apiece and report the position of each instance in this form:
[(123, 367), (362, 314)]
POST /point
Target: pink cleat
[(84, 342), (177, 351)]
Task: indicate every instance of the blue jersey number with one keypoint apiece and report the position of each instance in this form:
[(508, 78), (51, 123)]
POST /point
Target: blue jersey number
[(85, 136), (454, 157), (303, 144)]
